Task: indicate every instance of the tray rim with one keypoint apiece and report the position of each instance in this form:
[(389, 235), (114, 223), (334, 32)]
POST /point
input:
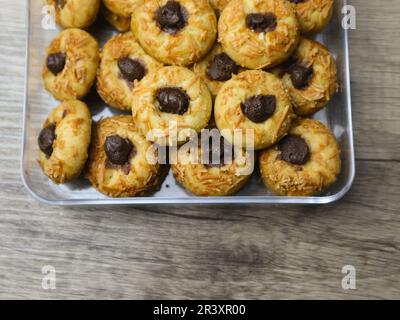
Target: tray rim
[(275, 200)]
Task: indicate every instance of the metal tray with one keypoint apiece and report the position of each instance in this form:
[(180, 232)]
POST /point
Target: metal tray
[(38, 103)]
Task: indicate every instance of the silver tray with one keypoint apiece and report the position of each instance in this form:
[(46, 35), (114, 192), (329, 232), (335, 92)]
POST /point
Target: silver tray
[(38, 103)]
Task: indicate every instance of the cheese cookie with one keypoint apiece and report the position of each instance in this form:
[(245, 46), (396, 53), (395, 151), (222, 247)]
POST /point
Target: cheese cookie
[(64, 141), (304, 163)]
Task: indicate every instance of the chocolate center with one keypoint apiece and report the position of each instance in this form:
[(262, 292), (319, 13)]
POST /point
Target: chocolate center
[(259, 22), (46, 139), (259, 108), (171, 17), (222, 67), (297, 1), (294, 150), (172, 100), (130, 69), (56, 62), (300, 76), (118, 149)]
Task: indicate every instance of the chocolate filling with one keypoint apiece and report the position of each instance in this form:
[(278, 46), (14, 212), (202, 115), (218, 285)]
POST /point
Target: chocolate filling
[(293, 149), (46, 139), (56, 62), (119, 150), (221, 68), (172, 17), (130, 69), (172, 100), (259, 22), (259, 108)]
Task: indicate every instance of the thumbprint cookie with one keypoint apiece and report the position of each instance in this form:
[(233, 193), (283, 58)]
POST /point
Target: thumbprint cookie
[(310, 77), (206, 171), (255, 104), (175, 32), (123, 64), (75, 13), (216, 68), (64, 141), (122, 8), (303, 163), (169, 101), (258, 34), (313, 15), (118, 164), (71, 64)]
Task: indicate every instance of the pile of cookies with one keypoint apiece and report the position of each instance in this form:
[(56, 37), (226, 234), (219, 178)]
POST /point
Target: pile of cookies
[(178, 65)]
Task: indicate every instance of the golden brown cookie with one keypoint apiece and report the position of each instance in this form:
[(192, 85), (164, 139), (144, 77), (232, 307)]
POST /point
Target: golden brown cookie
[(123, 64), (258, 34), (168, 102), (64, 141), (175, 32), (71, 64), (303, 163), (120, 23), (310, 77), (253, 100), (313, 15), (207, 170), (216, 68), (122, 8), (75, 13), (118, 163)]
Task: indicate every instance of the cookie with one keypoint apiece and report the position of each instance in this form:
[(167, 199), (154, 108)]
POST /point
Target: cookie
[(304, 163), (313, 15), (64, 141), (75, 13), (123, 64), (310, 77), (120, 23), (122, 8), (169, 101), (71, 64), (175, 32), (118, 165), (253, 100), (209, 171), (216, 68), (258, 34)]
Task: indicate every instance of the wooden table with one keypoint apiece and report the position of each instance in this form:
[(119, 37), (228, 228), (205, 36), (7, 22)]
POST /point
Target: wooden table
[(215, 252)]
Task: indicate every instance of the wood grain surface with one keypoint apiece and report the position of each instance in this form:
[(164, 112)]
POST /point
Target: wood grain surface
[(247, 252)]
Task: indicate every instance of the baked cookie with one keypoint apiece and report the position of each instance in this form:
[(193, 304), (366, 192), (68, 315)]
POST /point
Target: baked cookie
[(175, 32), (71, 64), (120, 23), (303, 163), (64, 141), (118, 163), (253, 100), (169, 101), (122, 8), (208, 171), (123, 64), (313, 15), (258, 34), (75, 13), (310, 77), (216, 68)]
